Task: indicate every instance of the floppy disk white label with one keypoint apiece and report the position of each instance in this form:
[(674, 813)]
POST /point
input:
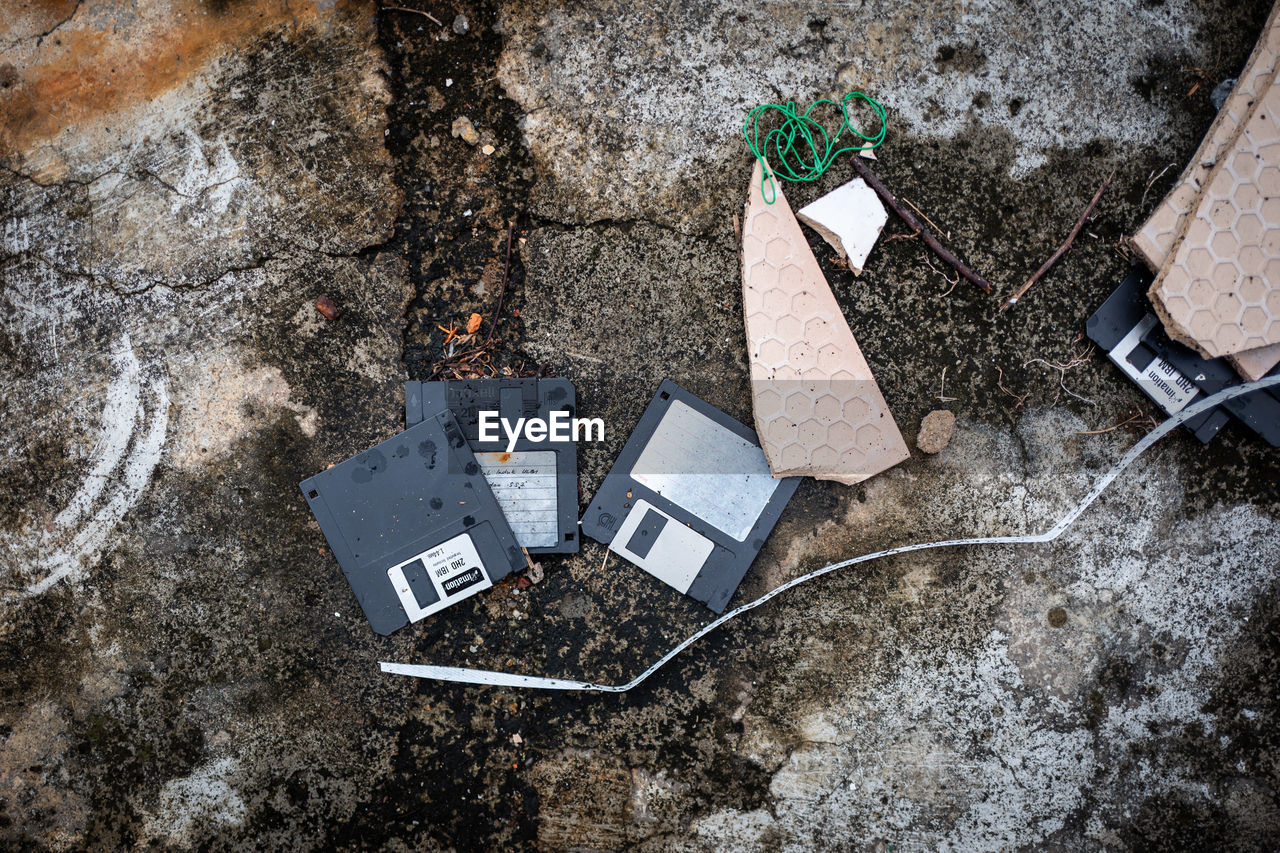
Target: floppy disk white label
[(439, 577), (524, 482), (661, 545), (1161, 380)]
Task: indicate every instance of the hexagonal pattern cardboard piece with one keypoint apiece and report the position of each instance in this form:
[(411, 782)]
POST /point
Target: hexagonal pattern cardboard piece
[(1220, 290), (818, 409), (1255, 363), (1155, 241)]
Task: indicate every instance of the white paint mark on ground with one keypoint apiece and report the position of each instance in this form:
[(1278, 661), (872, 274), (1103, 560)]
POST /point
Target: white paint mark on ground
[(203, 800), (135, 421)]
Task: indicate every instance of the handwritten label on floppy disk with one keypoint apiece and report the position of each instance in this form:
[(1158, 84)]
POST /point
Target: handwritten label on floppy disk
[(524, 482)]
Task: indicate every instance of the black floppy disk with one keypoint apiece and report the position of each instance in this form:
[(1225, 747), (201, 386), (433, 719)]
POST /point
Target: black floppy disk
[(535, 482), (1172, 374), (690, 499), (413, 523)]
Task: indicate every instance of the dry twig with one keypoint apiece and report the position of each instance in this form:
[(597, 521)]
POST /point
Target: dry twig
[(932, 224), (915, 225), (1140, 421), (426, 15), (1077, 359), (1062, 250), (1151, 181), (942, 389), (1203, 76), (953, 282), (1000, 385), (506, 268)]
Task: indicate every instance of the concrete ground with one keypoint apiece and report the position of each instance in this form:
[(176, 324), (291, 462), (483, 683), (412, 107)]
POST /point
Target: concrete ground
[(184, 665)]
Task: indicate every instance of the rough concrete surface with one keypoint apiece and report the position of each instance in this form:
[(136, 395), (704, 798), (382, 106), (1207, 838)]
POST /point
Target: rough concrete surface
[(184, 666)]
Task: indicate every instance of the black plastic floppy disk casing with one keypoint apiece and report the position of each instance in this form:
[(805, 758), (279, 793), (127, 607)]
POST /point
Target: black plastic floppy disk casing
[(535, 482), (1173, 375), (690, 499), (413, 523)]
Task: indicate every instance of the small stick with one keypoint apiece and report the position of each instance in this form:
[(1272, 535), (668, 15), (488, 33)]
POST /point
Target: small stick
[(502, 293), (1000, 385), (952, 282), (427, 15), (1062, 250), (915, 225), (942, 391), (1150, 183), (932, 224)]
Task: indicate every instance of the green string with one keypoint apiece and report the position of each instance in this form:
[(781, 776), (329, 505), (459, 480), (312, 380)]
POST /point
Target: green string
[(795, 143)]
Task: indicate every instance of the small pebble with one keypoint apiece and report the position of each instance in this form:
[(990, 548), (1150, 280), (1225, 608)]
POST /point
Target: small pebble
[(461, 24), (535, 573), (487, 149), (463, 127), (328, 308), (935, 431)]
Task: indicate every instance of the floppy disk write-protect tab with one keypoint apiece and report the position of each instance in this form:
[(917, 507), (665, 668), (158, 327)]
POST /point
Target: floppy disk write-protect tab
[(413, 523), (535, 482), (690, 499)]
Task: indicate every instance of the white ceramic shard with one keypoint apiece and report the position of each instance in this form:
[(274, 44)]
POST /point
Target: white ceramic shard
[(850, 218)]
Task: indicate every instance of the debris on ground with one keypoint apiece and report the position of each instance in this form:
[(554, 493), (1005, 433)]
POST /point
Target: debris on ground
[(917, 226), (184, 666), (835, 424), (328, 308), (1171, 374), (850, 218), (935, 431), (463, 128), (1219, 291), (1206, 235), (460, 546), (535, 480), (1062, 249)]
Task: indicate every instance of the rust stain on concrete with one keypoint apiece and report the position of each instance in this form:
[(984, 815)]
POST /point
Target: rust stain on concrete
[(69, 64)]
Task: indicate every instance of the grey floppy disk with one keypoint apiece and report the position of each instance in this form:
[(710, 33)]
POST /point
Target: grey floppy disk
[(690, 499), (413, 523), (536, 482)]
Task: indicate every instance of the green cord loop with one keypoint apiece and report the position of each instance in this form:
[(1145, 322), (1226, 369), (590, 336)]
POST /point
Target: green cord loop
[(795, 144)]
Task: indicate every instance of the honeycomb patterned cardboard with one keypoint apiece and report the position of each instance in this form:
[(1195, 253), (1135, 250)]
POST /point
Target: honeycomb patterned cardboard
[(818, 409), (1154, 242), (1255, 363), (1220, 290)]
